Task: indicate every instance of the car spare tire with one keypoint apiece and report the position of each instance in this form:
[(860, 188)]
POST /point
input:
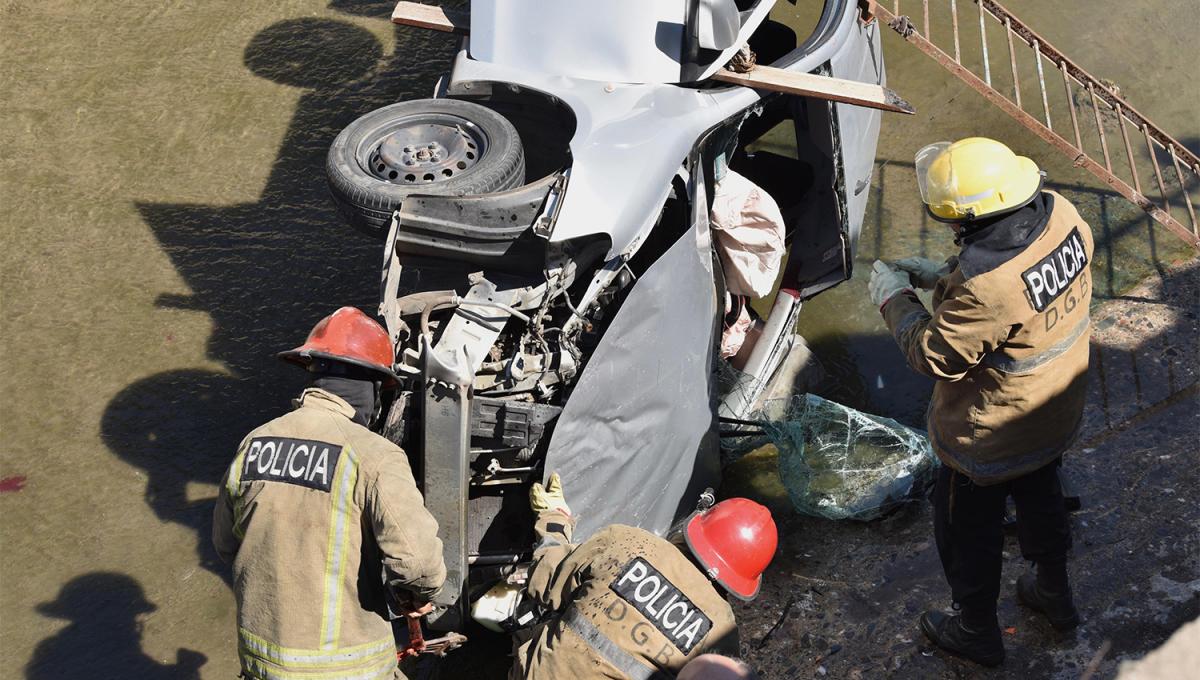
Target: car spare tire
[(442, 147)]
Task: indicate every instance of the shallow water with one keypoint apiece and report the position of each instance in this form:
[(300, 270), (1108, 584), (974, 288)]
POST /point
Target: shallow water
[(167, 229)]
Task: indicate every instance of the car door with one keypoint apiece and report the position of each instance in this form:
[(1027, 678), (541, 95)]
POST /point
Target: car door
[(816, 157)]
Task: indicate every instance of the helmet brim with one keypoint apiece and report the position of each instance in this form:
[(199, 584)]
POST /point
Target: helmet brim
[(303, 356), (1037, 191), (743, 588), (59, 610)]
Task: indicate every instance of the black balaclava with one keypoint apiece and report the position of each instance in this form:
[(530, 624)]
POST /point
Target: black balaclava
[(361, 394)]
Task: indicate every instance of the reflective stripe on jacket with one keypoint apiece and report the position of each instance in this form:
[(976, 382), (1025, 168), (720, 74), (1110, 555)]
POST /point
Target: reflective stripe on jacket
[(1007, 343), (317, 513), (262, 659)]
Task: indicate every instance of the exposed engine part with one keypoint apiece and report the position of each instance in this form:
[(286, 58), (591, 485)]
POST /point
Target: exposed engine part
[(456, 301), (449, 364), (494, 468), (489, 354), (495, 474), (515, 571), (397, 423), (496, 608), (526, 374), (543, 224), (511, 423)]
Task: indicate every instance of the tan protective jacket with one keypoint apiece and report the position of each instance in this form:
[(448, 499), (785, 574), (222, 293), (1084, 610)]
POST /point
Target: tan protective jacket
[(627, 604), (316, 512), (1008, 346)]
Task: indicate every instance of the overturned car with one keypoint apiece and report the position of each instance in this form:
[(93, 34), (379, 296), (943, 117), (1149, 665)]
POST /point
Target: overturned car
[(551, 280)]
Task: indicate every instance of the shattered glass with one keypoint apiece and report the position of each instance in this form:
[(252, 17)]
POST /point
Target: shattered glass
[(840, 463)]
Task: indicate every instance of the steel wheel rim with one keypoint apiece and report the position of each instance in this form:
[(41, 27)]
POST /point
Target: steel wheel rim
[(422, 148)]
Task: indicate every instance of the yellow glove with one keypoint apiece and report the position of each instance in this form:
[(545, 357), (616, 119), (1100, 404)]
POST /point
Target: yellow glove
[(549, 497)]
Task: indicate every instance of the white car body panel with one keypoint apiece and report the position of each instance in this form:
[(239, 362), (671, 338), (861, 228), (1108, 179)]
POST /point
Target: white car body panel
[(630, 139), (618, 41), (624, 41)]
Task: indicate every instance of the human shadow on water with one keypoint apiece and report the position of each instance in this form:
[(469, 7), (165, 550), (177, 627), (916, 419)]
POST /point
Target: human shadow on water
[(104, 636), (264, 271)]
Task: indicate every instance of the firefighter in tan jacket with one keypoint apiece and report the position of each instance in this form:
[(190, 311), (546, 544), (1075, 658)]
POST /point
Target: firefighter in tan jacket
[(626, 604), (327, 532), (1007, 343)]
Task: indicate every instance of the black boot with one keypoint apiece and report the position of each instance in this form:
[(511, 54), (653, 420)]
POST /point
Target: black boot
[(982, 645), (1057, 607)]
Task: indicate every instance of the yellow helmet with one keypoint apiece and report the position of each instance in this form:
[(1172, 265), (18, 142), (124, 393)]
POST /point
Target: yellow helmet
[(973, 178)]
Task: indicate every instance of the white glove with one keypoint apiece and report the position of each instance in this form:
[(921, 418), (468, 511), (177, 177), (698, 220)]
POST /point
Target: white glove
[(886, 282), (924, 273), (549, 497)]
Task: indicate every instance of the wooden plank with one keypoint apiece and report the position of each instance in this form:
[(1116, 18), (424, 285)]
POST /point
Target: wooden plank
[(760, 78), (431, 17), (821, 87)]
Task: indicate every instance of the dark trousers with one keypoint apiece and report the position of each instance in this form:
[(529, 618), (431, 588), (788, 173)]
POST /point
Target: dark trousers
[(967, 523)]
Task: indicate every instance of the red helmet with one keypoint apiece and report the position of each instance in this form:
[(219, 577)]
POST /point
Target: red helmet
[(734, 541), (348, 336)]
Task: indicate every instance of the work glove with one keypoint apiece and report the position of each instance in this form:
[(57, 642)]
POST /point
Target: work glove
[(886, 282), (549, 497), (922, 272)]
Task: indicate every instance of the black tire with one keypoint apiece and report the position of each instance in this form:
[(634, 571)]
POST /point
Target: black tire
[(359, 179)]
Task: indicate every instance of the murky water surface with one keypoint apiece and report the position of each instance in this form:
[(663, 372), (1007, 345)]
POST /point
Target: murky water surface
[(166, 230)]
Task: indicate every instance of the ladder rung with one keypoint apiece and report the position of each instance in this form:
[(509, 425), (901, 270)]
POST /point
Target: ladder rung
[(954, 21), (1042, 84), (987, 67), (1012, 59), (1100, 127), (1137, 182), (1071, 105), (1187, 200), (1157, 172)]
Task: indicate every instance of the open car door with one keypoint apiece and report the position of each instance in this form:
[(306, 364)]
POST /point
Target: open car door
[(816, 158)]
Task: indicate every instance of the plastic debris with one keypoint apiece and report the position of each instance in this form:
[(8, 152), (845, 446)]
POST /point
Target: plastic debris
[(840, 463)]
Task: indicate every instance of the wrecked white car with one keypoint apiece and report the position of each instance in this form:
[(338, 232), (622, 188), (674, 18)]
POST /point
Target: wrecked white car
[(550, 276)]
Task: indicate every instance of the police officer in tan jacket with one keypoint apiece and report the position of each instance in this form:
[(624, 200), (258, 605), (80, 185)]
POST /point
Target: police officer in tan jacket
[(1007, 343), (626, 604), (323, 522)]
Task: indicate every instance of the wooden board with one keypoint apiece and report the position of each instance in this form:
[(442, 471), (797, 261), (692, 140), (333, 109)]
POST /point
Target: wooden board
[(820, 87), (759, 78), (431, 17)]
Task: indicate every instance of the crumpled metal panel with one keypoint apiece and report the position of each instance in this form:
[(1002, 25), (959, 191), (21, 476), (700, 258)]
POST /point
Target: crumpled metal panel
[(631, 138), (637, 442)]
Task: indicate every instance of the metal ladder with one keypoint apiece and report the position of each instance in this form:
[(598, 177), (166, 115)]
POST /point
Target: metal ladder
[(1102, 98)]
